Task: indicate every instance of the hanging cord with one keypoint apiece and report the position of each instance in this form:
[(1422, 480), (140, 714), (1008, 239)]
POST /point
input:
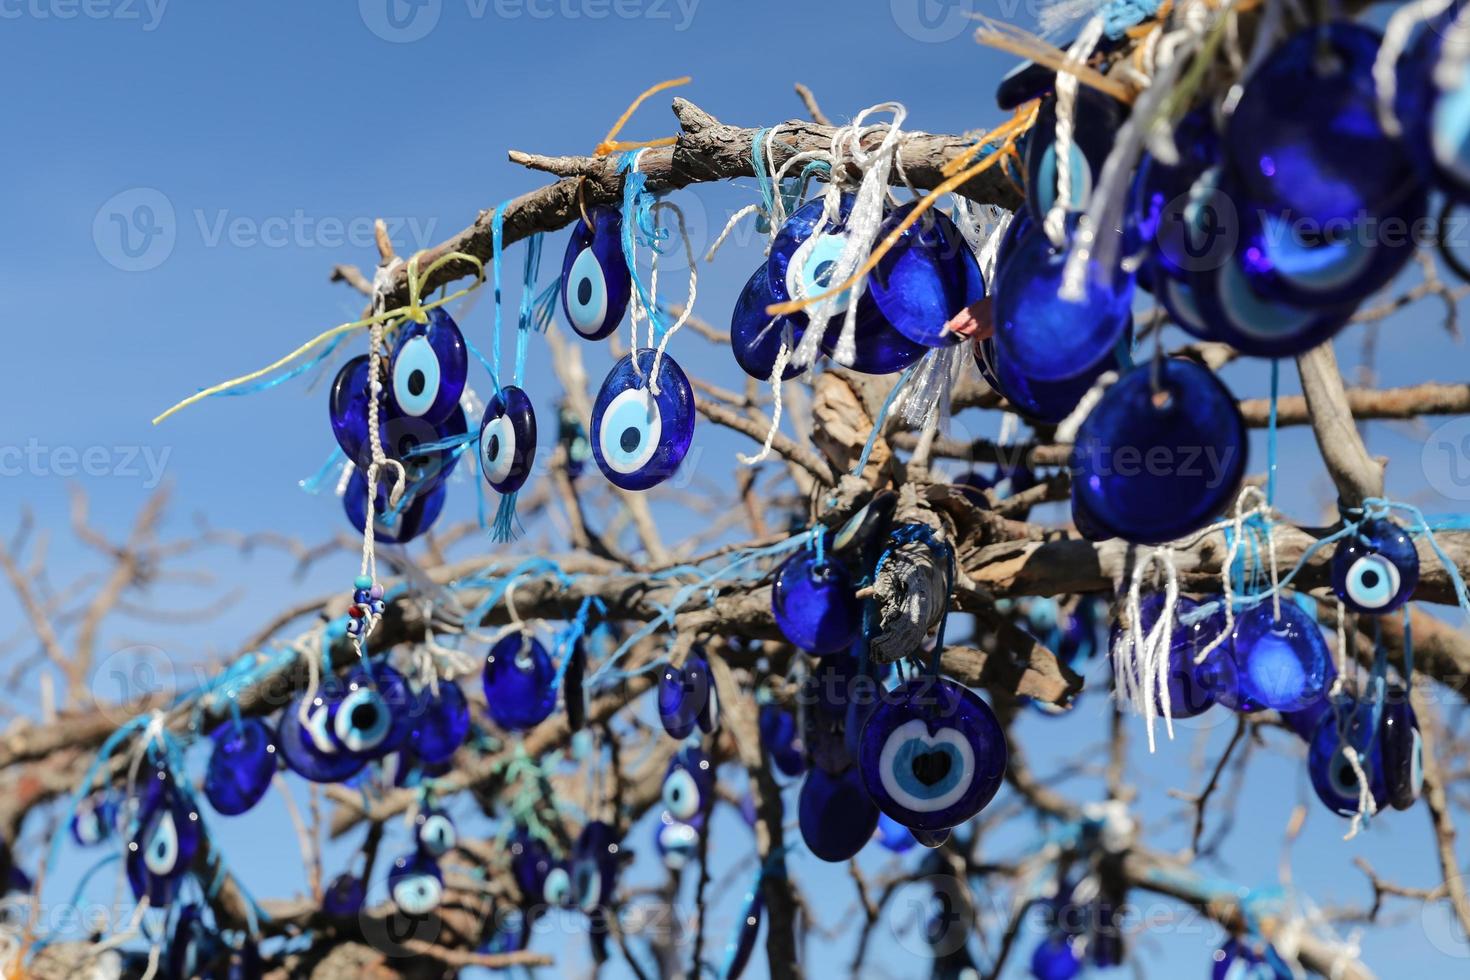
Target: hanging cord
[(1055, 223), (688, 309), (1396, 36), (778, 369), (1142, 666)]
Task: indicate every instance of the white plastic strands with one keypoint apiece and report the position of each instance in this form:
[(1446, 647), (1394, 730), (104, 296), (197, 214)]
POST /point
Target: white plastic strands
[(1141, 659)]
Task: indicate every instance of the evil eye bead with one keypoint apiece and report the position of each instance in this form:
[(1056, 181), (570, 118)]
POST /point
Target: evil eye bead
[(556, 888), (344, 896), (803, 258), (362, 721), (434, 832), (241, 765), (595, 859), (1376, 569), (1096, 120), (687, 699), (440, 724), (1401, 748), (1280, 663), (428, 368), (94, 820), (1334, 776), (815, 604), (1057, 957), (429, 451), (413, 516), (932, 755), (677, 842), (508, 440), (756, 336), (348, 406), (927, 277), (518, 680), (167, 839), (1161, 454), (894, 836), (1193, 687), (596, 286), (639, 438), (781, 739), (689, 785), (416, 884), (835, 814), (1047, 402), (530, 863), (308, 748)]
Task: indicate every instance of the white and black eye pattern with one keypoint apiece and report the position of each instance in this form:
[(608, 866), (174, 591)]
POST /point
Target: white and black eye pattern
[(557, 888), (813, 269), (416, 884), (362, 720), (429, 367), (586, 884), (639, 438), (1335, 773), (677, 842), (932, 755), (508, 440), (595, 284), (435, 833), (161, 848), (688, 784), (1376, 569)]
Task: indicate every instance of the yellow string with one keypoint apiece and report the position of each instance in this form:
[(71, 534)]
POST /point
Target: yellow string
[(610, 142), (1007, 131), (413, 310)]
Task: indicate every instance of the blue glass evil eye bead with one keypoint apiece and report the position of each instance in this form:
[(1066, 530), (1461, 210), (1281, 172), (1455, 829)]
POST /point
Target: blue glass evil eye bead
[(241, 765), (165, 842), (309, 749), (1193, 687), (780, 738), (1375, 568), (348, 406), (518, 681), (816, 604), (595, 285), (374, 715), (1318, 152), (756, 336), (928, 276), (416, 884), (687, 698), (595, 859), (689, 785), (410, 440), (1096, 120), (878, 348), (1332, 772), (1046, 337), (440, 723), (835, 814), (1179, 214), (787, 278), (530, 862), (1238, 961), (94, 820), (344, 896), (894, 836), (639, 438), (677, 842), (428, 368), (1047, 402), (1152, 464), (507, 440), (413, 516), (1057, 957), (433, 832), (1401, 748), (1280, 663), (932, 754)]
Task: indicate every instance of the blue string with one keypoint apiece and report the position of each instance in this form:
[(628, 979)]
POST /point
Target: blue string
[(1271, 433), (526, 318), (637, 216), (497, 246), (878, 422), (313, 483), (295, 372)]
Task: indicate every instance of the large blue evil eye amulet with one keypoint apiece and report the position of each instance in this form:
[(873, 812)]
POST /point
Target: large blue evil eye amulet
[(1047, 402), (428, 368), (815, 604), (756, 337), (835, 813), (508, 440), (416, 884), (1154, 462), (639, 438), (308, 748), (1281, 662), (165, 842), (595, 285), (374, 716), (687, 698), (932, 754), (1096, 120), (241, 765), (928, 276), (1376, 568), (1334, 776), (518, 682)]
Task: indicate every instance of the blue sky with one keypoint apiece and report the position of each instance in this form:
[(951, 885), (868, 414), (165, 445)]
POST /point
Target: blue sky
[(183, 176)]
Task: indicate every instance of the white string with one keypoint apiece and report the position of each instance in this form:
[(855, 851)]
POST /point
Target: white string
[(1341, 678), (1396, 35), (1055, 223), (783, 356), (1366, 805), (688, 309), (1142, 663), (749, 209)]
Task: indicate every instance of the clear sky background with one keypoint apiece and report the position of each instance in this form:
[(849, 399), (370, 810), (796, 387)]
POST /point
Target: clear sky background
[(180, 179)]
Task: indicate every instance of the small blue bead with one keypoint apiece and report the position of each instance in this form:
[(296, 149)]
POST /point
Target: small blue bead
[(363, 582)]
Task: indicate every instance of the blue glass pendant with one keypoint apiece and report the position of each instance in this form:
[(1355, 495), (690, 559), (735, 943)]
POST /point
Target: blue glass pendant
[(440, 724), (1376, 568), (344, 896), (166, 840), (1048, 338), (755, 336), (94, 820), (1057, 957), (518, 681), (595, 285), (1096, 120), (1047, 402), (879, 349), (309, 750), (687, 699), (1280, 664), (428, 368), (508, 440), (815, 604), (1179, 209), (836, 815), (413, 517), (1333, 776), (780, 739), (1238, 961), (595, 860), (1193, 687), (825, 694), (689, 785), (894, 836), (1320, 153), (1153, 465), (677, 842), (416, 884), (928, 276), (1223, 303), (531, 864), (375, 713), (433, 832), (737, 953), (1401, 749), (192, 947), (639, 438), (348, 406), (240, 765), (405, 439), (932, 754)]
